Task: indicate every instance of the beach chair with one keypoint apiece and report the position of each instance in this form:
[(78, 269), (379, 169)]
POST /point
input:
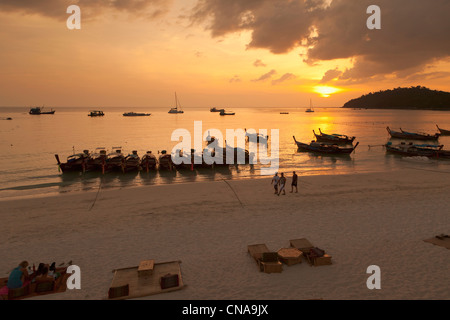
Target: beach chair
[(301, 244), (148, 278), (19, 292), (267, 260), (314, 256)]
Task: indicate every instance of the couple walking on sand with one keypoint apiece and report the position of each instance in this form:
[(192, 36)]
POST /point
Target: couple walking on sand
[(281, 181)]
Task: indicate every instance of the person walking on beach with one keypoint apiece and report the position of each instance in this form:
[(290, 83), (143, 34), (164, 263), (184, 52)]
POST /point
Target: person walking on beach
[(275, 181), (294, 183), (282, 184)]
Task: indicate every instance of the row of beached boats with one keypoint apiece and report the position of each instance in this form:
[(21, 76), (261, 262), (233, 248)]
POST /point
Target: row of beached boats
[(116, 161)]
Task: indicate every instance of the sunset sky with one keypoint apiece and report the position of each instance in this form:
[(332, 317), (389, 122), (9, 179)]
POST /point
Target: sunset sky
[(236, 53)]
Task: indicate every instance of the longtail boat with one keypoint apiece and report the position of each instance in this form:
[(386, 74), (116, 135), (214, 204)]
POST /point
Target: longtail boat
[(325, 148), (39, 110), (115, 160), (414, 150), (412, 136), (75, 162), (97, 160), (96, 113), (334, 138), (165, 161), (443, 132), (189, 161), (149, 162), (132, 162)]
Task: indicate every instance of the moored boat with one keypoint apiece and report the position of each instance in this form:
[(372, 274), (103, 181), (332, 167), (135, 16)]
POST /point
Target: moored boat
[(39, 111), (414, 150), (115, 160), (226, 113), (412, 136), (215, 110), (132, 162), (136, 114), (325, 148), (96, 113), (97, 160), (333, 138), (75, 162), (149, 161), (256, 137), (443, 131), (177, 108), (310, 109), (165, 161)]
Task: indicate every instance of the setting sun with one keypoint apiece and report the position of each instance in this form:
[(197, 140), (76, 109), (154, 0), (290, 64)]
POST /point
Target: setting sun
[(326, 91)]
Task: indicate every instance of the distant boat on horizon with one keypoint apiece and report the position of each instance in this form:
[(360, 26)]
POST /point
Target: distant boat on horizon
[(38, 111), (310, 109), (226, 113), (134, 114), (96, 113), (215, 110), (175, 110)]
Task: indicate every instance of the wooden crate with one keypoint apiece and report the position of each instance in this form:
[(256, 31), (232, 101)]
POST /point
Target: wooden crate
[(322, 261), (290, 256), (302, 244), (271, 267), (146, 268)]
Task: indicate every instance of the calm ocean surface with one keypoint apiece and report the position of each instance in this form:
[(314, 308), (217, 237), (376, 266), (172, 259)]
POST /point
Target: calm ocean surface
[(29, 143)]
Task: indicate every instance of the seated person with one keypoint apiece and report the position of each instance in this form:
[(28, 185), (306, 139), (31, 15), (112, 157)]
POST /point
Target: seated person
[(18, 276), (44, 276), (39, 269)]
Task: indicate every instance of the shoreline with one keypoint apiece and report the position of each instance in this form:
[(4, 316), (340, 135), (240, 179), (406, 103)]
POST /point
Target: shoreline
[(359, 219), (235, 178)]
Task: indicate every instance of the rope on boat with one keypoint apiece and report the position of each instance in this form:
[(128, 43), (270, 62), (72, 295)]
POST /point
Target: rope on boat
[(98, 191), (242, 205)]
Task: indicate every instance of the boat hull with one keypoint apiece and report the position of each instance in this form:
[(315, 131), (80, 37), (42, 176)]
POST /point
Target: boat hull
[(411, 150), (341, 139), (412, 136), (443, 131), (148, 163), (325, 148)]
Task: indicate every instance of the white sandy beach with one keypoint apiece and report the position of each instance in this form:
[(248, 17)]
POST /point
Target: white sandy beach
[(360, 220)]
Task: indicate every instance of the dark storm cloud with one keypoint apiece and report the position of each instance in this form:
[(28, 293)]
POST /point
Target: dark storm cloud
[(57, 8), (414, 32)]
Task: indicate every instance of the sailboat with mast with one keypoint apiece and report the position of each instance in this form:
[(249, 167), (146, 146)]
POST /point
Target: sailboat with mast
[(310, 109), (177, 108)]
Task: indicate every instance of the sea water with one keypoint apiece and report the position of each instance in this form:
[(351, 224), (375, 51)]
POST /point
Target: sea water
[(28, 167)]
